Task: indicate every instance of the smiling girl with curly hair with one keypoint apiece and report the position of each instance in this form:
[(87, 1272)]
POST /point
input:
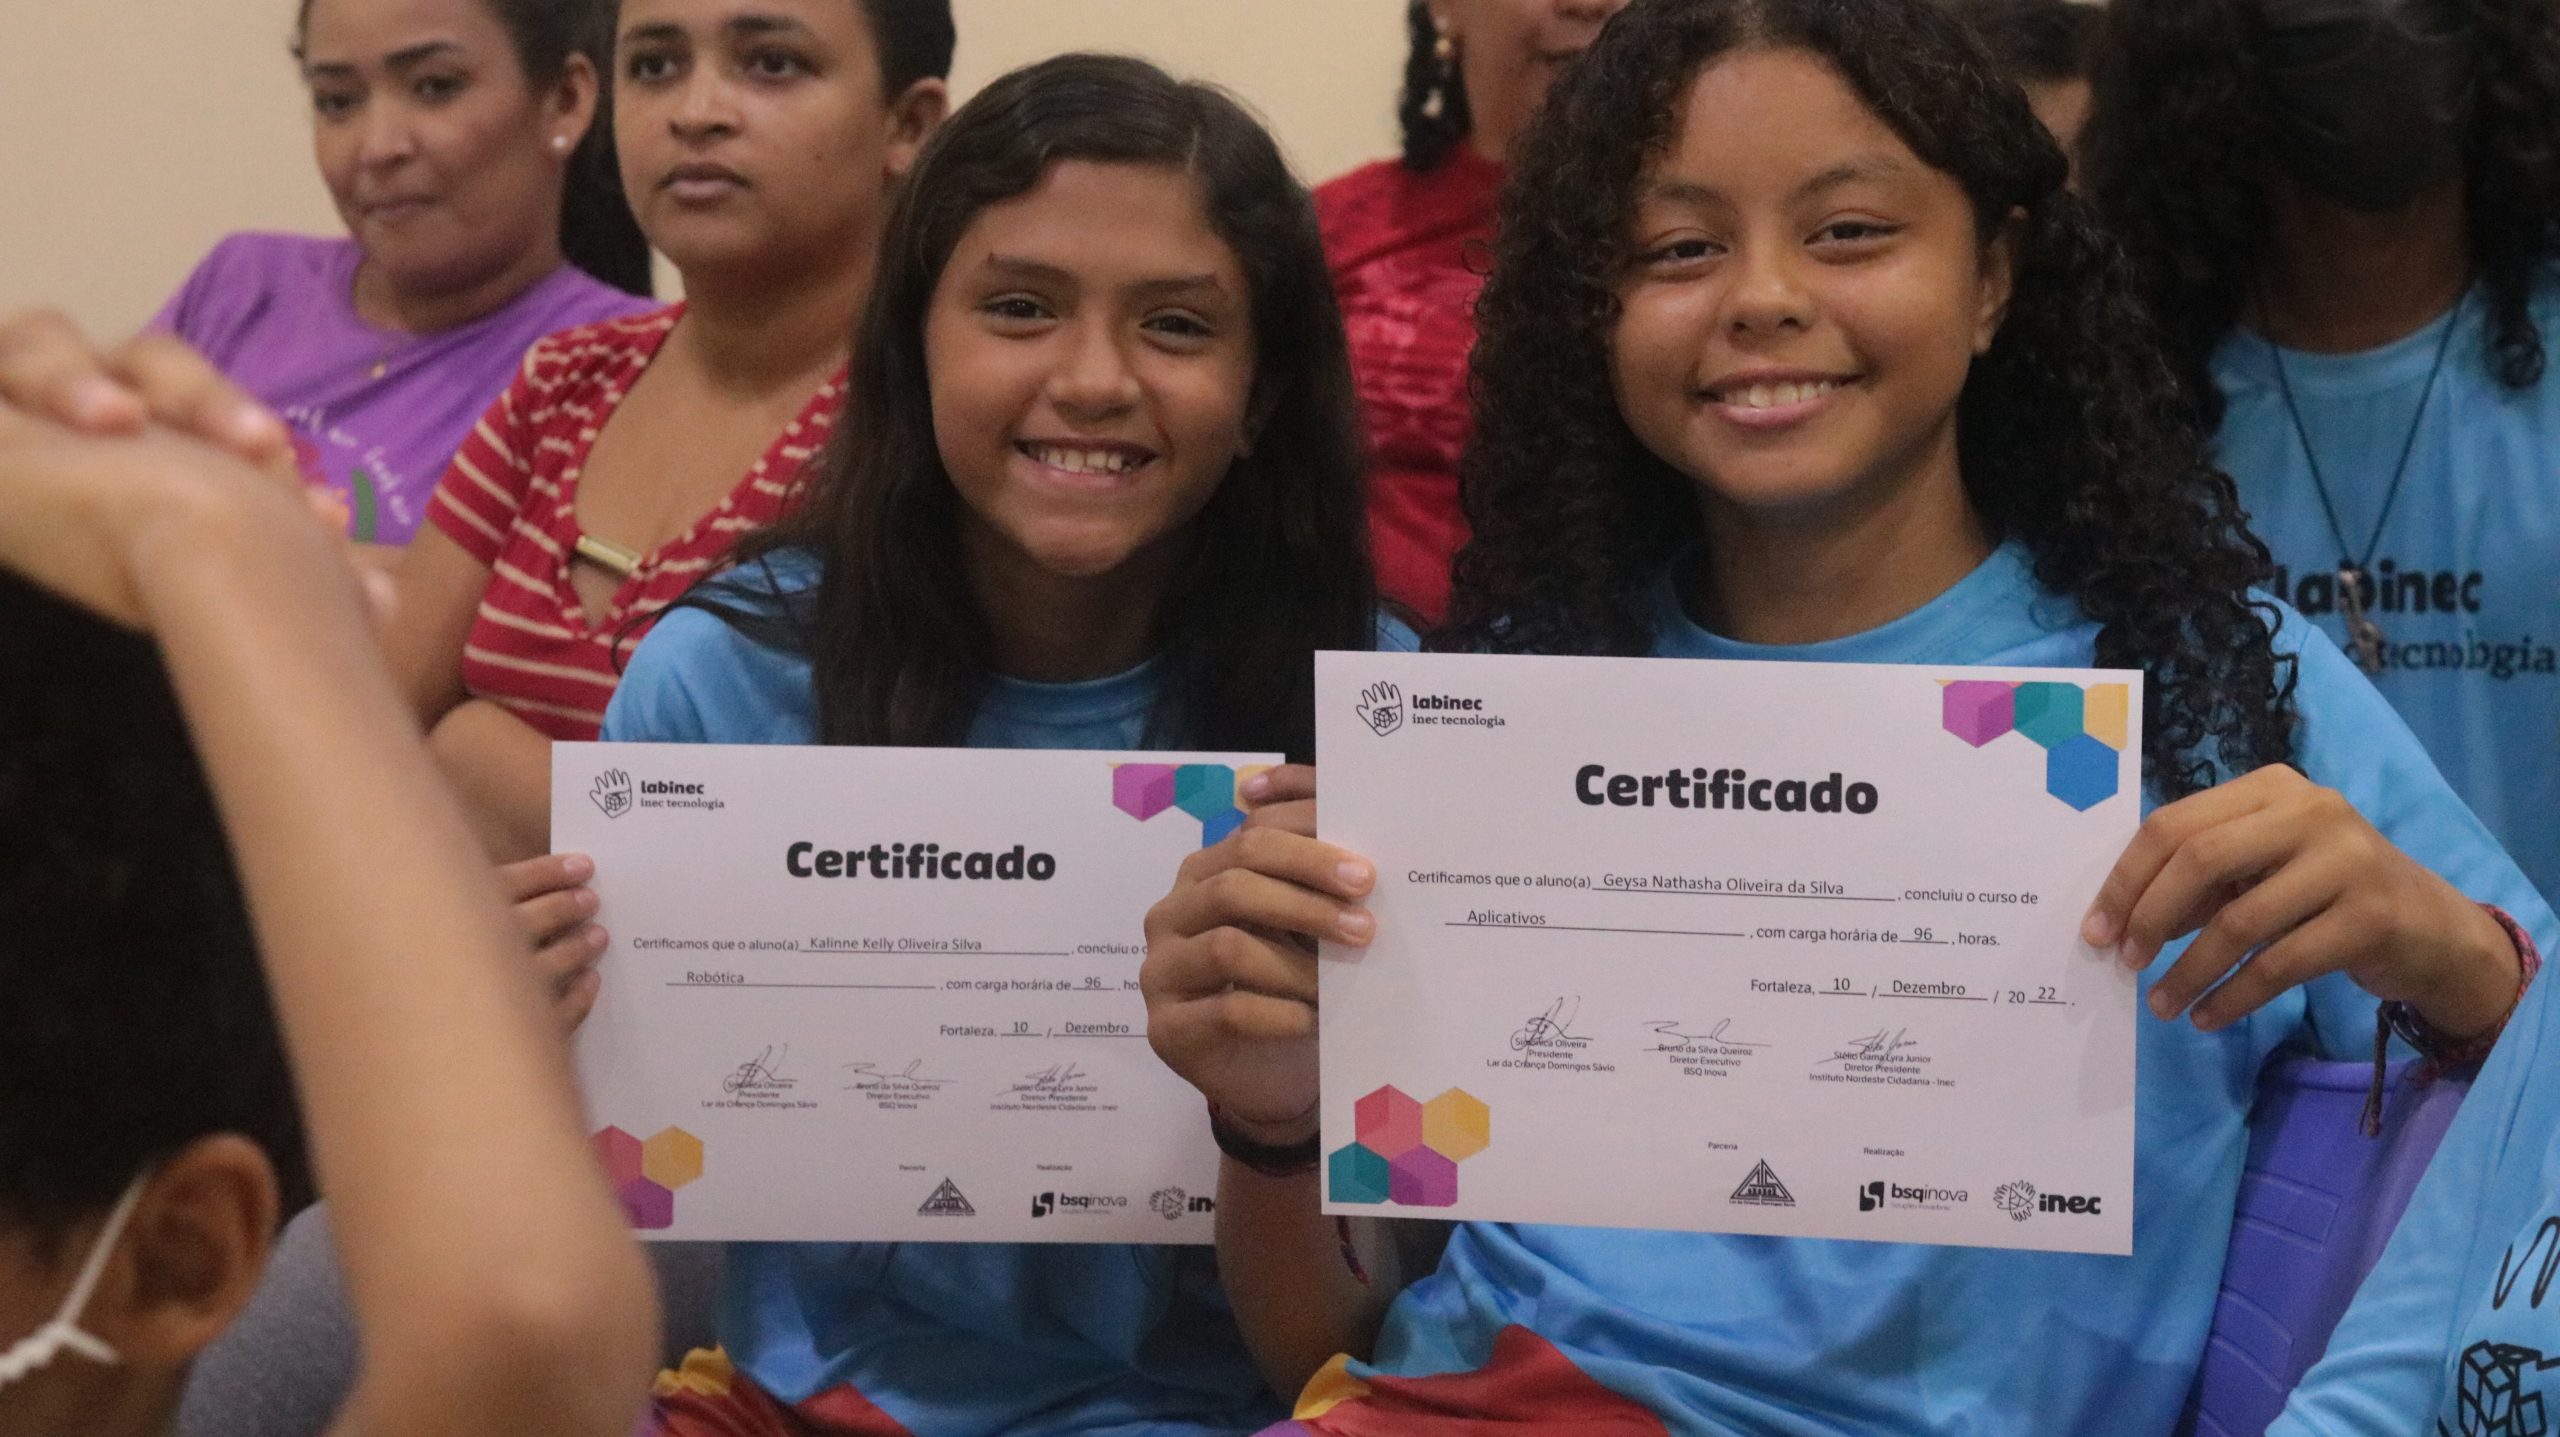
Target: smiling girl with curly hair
[(1797, 347)]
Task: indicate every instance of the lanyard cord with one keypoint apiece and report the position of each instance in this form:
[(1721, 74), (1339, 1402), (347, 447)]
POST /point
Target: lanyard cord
[(2363, 564)]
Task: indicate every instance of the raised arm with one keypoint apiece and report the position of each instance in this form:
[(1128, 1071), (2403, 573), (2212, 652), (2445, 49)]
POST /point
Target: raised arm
[(502, 1295)]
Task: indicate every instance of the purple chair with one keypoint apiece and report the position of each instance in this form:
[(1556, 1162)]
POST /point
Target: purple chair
[(2317, 1202)]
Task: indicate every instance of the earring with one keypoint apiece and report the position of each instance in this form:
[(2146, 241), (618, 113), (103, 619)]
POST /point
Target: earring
[(559, 144), (1444, 49)]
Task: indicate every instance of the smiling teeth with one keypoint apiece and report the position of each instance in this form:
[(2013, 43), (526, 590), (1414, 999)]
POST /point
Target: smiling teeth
[(1771, 396), (1084, 461)]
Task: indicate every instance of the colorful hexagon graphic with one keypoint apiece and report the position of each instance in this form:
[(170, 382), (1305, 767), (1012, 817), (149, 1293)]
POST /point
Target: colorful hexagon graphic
[(671, 1158), (650, 1207), (1356, 1174), (1423, 1178), (1204, 790), (2049, 713), (2081, 772), (2106, 714), (1142, 790), (1457, 1125), (1978, 710), (621, 1154), (1388, 1123), (1216, 829)]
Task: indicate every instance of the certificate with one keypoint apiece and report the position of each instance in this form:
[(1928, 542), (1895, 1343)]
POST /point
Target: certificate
[(1788, 949), (863, 994)]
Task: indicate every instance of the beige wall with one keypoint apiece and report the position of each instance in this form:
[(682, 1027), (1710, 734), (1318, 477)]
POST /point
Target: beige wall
[(137, 132)]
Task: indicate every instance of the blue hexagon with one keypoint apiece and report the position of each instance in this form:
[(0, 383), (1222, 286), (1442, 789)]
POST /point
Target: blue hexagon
[(2049, 713), (2081, 772), (1219, 827), (1358, 1175), (1204, 790)]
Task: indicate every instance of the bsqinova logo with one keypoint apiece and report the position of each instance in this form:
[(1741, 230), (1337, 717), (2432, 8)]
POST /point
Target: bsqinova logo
[(1076, 1204), (612, 792), (1382, 708), (1877, 1196)]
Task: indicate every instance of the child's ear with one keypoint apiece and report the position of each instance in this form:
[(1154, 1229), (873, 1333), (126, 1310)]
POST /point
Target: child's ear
[(191, 1254), (913, 117), (1999, 280)]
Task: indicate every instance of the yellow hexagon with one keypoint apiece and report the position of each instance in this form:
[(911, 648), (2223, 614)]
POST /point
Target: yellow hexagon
[(672, 1158), (2104, 714), (1457, 1125)]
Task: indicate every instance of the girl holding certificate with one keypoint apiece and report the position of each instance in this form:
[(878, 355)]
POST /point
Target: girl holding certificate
[(1798, 348), (1099, 487), (2346, 217)]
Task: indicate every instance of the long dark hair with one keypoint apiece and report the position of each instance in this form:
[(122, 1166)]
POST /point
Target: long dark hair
[(2176, 150), (1276, 566), (2073, 439), (1432, 111), (597, 231)]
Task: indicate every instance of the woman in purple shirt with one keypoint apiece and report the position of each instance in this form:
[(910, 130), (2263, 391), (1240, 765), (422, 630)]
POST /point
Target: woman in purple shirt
[(460, 142)]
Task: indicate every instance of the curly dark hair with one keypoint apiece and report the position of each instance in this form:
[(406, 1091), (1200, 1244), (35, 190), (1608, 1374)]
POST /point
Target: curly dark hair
[(2045, 40), (137, 1018), (2073, 438), (1275, 567), (1432, 111), (2176, 148)]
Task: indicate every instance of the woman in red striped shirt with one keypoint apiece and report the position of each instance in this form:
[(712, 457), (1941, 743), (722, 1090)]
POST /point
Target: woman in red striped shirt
[(758, 145)]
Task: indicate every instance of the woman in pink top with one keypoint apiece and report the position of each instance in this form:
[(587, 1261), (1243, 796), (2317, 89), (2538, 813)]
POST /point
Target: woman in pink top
[(461, 143)]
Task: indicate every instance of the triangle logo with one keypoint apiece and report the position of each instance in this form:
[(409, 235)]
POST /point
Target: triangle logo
[(946, 1202), (1762, 1189)]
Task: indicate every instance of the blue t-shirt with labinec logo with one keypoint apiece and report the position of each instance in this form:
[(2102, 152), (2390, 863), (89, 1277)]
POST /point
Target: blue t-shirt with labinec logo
[(2465, 571), (952, 1339), (1766, 1337)]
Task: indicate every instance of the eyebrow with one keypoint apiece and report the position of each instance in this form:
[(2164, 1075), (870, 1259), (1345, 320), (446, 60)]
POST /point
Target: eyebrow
[(1169, 287), (1864, 167), (398, 61), (737, 27)]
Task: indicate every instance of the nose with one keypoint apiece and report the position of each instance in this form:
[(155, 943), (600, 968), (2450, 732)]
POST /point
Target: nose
[(1093, 379), (705, 109), (387, 138), (1766, 293)]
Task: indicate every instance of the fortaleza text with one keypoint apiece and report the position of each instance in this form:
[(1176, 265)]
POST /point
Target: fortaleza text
[(917, 860), (1731, 788)]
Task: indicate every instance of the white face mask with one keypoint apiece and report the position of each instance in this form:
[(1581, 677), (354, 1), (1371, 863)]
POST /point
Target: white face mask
[(63, 1333)]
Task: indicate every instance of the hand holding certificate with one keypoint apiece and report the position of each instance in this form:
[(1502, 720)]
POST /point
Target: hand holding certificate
[(1767, 948)]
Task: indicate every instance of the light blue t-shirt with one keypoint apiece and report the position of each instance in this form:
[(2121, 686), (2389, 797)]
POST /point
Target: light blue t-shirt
[(953, 1339), (1767, 1337), (2460, 1321), (2467, 569)]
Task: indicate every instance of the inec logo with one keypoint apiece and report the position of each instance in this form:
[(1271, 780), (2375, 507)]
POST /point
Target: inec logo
[(2021, 1201)]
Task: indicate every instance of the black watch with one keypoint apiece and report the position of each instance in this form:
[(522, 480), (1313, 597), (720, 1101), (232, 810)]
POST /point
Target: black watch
[(1272, 1160)]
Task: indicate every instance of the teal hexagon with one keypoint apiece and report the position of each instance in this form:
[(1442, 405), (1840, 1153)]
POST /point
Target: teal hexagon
[(2049, 713), (1358, 1175), (1204, 790)]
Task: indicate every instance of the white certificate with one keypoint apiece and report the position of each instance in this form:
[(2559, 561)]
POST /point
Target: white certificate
[(889, 994), (1772, 948)]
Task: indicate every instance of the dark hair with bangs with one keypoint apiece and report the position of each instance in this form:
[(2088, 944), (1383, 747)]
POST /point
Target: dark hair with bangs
[(1275, 566)]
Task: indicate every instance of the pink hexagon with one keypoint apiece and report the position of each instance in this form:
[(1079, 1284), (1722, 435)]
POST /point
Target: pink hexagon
[(650, 1207), (1142, 790), (1423, 1178), (621, 1154), (1389, 1123), (1980, 710)]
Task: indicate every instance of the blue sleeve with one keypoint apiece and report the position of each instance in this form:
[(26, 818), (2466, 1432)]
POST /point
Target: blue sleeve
[(654, 703), (2389, 1362), (2350, 739), (1395, 636)]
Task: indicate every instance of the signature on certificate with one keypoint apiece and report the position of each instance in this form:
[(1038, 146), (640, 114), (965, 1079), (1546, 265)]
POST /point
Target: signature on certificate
[(1552, 1028), (1673, 1040), (867, 1077), (1879, 1046), (1051, 1079), (761, 1073)]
